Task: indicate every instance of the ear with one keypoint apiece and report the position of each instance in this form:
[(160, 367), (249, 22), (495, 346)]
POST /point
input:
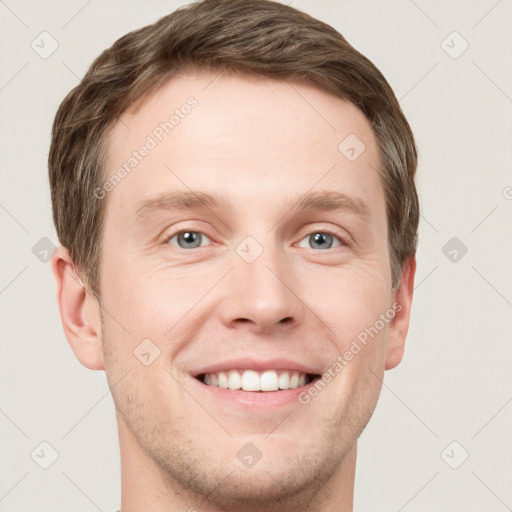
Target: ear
[(79, 311), (402, 300)]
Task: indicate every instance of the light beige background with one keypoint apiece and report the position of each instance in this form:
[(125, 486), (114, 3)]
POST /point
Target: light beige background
[(454, 383)]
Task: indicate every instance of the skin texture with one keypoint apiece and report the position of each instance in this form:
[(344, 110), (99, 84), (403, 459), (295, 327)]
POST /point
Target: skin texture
[(260, 144)]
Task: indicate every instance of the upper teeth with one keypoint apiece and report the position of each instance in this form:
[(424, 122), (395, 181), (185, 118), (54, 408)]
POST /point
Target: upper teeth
[(251, 380)]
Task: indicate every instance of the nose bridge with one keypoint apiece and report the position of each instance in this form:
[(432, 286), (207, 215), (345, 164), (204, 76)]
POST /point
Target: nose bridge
[(261, 286)]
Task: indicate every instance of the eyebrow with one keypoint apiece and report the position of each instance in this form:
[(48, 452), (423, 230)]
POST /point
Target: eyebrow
[(331, 200), (188, 200)]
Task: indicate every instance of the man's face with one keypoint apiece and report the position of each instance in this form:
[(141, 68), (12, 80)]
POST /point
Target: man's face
[(260, 283)]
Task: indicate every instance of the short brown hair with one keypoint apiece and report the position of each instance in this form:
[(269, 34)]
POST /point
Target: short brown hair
[(248, 37)]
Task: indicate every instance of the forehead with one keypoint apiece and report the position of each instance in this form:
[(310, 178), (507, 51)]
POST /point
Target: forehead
[(253, 138)]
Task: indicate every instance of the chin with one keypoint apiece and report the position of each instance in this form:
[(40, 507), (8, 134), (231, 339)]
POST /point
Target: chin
[(263, 489)]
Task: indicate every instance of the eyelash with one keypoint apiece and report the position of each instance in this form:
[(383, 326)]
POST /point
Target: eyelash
[(342, 240)]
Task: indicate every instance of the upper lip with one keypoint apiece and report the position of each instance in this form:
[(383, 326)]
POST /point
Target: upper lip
[(256, 364)]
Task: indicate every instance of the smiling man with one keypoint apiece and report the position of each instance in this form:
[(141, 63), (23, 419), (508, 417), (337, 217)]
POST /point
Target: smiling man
[(233, 189)]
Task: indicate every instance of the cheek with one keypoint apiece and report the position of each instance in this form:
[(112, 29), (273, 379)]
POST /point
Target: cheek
[(155, 302), (349, 299), (134, 291)]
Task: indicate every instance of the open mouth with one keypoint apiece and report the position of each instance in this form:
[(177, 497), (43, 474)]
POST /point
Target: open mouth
[(258, 381)]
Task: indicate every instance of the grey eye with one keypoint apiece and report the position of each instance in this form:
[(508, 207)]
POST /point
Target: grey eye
[(188, 239), (321, 240)]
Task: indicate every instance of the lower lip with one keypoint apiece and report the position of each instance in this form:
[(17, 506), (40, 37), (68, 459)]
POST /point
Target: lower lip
[(252, 399)]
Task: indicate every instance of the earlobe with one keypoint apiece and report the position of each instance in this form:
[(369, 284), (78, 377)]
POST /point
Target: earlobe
[(79, 311), (399, 326)]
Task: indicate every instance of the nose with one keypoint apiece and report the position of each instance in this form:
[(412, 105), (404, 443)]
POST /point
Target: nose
[(261, 294)]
